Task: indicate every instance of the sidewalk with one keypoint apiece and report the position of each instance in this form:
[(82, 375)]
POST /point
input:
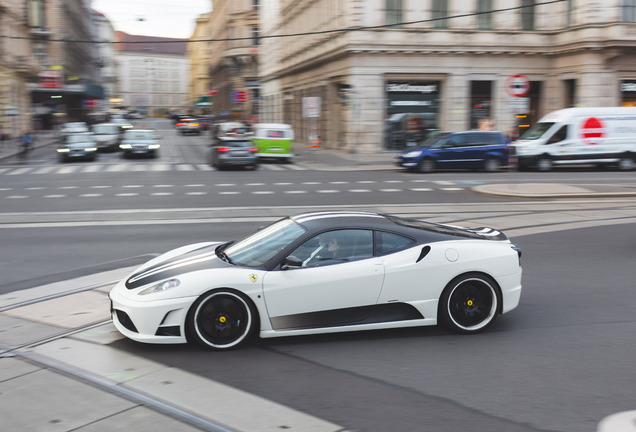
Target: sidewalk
[(11, 147)]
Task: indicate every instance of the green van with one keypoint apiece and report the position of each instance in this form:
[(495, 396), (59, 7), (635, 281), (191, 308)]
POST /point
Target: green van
[(273, 140)]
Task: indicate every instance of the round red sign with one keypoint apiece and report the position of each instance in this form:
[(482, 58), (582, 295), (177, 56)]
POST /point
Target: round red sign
[(517, 85), (593, 131)]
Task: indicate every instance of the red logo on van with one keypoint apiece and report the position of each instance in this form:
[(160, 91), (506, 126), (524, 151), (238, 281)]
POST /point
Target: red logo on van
[(593, 131)]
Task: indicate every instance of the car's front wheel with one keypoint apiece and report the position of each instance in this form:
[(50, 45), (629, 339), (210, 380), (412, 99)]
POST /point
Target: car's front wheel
[(221, 320), (469, 303)]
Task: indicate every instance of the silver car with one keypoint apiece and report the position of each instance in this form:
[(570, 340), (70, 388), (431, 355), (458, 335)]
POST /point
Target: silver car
[(140, 142), (108, 136), (233, 152)]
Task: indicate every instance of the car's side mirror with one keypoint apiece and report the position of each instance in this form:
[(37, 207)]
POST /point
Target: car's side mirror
[(291, 262)]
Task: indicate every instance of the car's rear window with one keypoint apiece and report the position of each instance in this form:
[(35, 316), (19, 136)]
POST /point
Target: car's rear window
[(235, 144)]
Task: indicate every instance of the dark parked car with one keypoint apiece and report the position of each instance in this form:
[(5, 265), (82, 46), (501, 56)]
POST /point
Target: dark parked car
[(140, 142), (233, 152), (80, 145), (472, 150)]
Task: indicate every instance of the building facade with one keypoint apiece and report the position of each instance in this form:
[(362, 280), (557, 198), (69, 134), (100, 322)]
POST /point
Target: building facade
[(199, 58), (153, 74), (391, 72), (18, 64), (233, 67)]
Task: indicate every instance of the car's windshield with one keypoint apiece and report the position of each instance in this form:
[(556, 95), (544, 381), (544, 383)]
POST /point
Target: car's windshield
[(105, 129), (536, 131), (80, 138), (139, 135), (257, 249)]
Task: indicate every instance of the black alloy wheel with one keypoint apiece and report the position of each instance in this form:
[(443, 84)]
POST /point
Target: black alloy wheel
[(469, 303), (221, 320)]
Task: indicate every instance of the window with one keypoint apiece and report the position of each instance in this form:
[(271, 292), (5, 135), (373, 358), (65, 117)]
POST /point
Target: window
[(35, 14), (559, 136), (440, 13), (568, 13), (387, 243), (628, 12), (335, 247), (527, 14), (255, 5), (484, 17), (393, 12), (254, 35)]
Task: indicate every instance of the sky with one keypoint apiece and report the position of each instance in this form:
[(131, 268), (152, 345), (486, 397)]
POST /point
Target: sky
[(163, 18)]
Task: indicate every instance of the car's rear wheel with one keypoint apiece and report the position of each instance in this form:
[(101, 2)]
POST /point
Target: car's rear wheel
[(221, 320), (426, 165), (492, 164), (469, 303)]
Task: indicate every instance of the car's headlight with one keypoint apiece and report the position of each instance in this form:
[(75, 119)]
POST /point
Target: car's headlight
[(63, 150), (91, 149), (125, 146), (161, 287), (411, 154)]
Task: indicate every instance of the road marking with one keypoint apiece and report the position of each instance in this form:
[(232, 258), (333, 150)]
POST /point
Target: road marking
[(295, 192), (116, 168), (54, 196), (162, 194), (254, 184), (420, 189), (359, 190), (263, 192), (194, 185), (36, 188), (91, 195), (327, 191), (129, 194), (68, 187), (311, 183), (19, 171), (45, 170), (272, 167), (91, 168), (101, 187), (452, 189), (283, 184), (390, 190), (17, 197), (132, 186), (66, 170), (185, 168), (196, 193), (160, 167), (229, 193)]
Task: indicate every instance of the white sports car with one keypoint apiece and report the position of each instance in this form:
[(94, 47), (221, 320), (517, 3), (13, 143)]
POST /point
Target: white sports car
[(320, 273)]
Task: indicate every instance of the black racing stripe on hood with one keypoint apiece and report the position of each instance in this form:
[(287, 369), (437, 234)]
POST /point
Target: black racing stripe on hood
[(198, 259)]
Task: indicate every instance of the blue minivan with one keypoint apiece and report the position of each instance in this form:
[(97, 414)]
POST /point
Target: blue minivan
[(458, 150)]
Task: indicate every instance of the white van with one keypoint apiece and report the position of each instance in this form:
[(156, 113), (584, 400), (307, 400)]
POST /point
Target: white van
[(603, 136)]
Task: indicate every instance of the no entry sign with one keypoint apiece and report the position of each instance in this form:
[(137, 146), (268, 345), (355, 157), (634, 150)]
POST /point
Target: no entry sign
[(517, 85), (593, 131)]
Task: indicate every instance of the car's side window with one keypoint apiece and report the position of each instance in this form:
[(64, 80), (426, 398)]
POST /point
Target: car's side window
[(386, 243), (335, 247), (559, 135)]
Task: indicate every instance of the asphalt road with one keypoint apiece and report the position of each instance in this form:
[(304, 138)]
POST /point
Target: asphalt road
[(560, 362)]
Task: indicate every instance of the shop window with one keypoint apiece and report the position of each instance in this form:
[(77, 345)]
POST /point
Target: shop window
[(527, 14), (628, 93), (628, 11), (481, 101), (255, 40), (440, 13), (484, 14), (393, 12)]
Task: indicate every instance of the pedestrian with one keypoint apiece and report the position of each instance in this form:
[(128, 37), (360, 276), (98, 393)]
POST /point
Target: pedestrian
[(27, 141)]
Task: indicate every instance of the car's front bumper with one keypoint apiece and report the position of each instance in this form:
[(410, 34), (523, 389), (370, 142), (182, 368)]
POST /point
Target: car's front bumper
[(160, 321)]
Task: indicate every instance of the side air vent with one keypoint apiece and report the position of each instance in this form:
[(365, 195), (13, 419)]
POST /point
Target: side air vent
[(425, 251)]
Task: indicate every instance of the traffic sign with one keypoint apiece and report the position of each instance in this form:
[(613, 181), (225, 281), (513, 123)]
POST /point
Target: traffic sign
[(517, 85), (593, 131)]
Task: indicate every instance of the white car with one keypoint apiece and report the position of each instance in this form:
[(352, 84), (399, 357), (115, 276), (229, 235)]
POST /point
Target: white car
[(321, 272)]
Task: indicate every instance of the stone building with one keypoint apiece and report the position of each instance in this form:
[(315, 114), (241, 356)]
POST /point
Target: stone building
[(152, 73), (389, 72), (233, 68), (199, 57)]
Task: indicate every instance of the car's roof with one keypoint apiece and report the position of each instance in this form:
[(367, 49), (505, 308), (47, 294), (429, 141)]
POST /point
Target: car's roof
[(423, 231)]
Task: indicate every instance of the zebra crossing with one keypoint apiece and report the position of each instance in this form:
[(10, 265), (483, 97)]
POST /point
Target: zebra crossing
[(119, 168)]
